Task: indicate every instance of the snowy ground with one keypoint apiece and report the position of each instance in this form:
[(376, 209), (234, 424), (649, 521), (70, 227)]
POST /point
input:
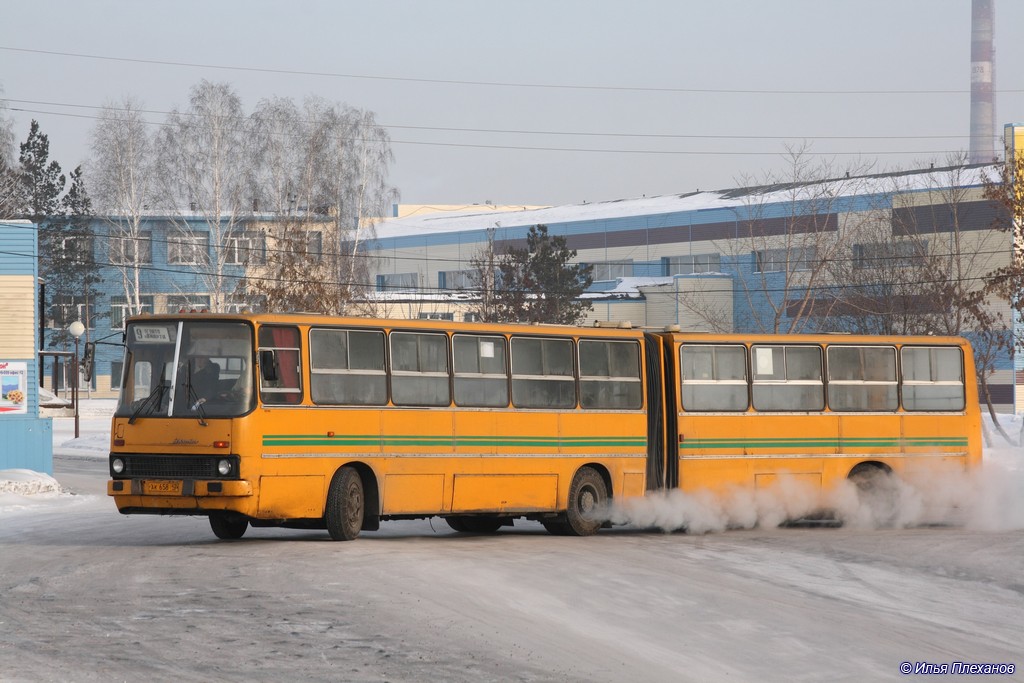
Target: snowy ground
[(993, 499), (87, 594), (24, 490)]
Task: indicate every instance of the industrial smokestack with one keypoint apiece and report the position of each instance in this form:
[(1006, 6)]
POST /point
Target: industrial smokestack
[(983, 98)]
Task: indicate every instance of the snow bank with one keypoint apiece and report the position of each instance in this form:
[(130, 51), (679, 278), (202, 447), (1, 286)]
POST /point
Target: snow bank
[(27, 483), (21, 490)]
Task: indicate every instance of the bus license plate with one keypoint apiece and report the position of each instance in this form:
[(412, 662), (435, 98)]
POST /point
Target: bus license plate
[(161, 487)]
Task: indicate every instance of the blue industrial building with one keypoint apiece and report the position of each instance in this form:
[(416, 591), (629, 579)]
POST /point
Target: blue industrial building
[(756, 259), (744, 259), (164, 266)]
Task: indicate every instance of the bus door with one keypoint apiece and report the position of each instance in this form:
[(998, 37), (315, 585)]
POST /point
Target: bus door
[(662, 450)]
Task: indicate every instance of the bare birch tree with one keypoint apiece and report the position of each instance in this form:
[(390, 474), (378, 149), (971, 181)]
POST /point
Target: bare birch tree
[(10, 186), (295, 277), (280, 155), (121, 184), (324, 176), (353, 155), (204, 161), (6, 132), (483, 267)]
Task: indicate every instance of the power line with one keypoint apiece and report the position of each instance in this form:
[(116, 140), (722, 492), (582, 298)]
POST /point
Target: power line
[(525, 148), (503, 131), (500, 84)]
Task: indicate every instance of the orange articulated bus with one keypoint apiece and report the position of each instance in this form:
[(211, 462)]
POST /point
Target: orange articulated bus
[(339, 423)]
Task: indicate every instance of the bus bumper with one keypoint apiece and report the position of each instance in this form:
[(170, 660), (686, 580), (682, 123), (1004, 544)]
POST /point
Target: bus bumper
[(173, 488)]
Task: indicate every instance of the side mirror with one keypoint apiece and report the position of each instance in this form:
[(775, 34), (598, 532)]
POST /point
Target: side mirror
[(88, 356), (268, 366)]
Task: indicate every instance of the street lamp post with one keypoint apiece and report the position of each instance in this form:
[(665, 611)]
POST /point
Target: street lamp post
[(76, 329)]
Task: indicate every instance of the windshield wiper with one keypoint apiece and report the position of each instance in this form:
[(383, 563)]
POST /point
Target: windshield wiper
[(194, 396), (154, 399)]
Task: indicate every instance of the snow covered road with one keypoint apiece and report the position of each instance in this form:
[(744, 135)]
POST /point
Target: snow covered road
[(89, 595)]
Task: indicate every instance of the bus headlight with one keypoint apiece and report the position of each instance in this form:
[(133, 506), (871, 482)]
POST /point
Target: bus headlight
[(117, 465), (224, 467)]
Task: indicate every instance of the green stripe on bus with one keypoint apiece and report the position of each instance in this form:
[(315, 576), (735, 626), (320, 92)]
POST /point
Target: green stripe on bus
[(849, 442), (514, 441)]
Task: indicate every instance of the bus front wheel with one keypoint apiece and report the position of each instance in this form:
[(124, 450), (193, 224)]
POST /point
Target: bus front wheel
[(587, 495), (227, 526), (345, 505)]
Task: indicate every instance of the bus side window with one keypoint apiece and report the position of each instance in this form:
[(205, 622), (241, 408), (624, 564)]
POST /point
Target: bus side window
[(419, 369), (862, 378), (610, 375), (714, 378), (347, 367), (542, 373), (787, 378), (481, 377), (933, 378)]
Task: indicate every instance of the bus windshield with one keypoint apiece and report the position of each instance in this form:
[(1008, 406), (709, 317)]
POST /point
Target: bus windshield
[(187, 368)]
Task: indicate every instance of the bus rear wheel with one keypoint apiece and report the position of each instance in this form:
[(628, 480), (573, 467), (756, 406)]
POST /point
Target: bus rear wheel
[(556, 527), (227, 526), (587, 494), (345, 505), (878, 491)]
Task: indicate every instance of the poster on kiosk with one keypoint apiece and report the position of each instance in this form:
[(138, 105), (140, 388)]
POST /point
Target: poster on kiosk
[(13, 388)]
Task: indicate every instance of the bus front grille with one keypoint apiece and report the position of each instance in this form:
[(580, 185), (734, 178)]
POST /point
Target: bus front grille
[(146, 466)]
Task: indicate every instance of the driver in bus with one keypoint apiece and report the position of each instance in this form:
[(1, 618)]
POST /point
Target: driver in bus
[(205, 376), (241, 391)]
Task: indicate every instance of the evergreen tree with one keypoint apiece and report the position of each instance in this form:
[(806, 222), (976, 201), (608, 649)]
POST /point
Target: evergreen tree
[(538, 284), (72, 268), (66, 260), (42, 184), (42, 180)]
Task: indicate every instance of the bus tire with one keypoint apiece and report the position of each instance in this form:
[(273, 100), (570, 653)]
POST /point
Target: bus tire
[(456, 523), (345, 505), (475, 525), (228, 526), (587, 494), (878, 491), (556, 527)]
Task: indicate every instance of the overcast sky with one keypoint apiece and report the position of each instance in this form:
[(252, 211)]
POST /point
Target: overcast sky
[(552, 101)]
